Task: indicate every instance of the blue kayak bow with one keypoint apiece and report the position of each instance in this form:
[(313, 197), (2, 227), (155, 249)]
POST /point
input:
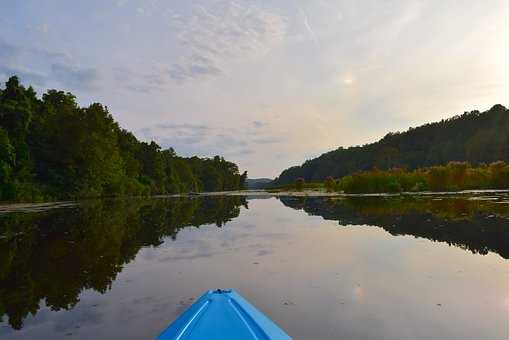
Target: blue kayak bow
[(223, 314)]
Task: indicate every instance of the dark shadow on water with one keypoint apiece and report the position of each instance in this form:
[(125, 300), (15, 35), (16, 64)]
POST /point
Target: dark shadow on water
[(477, 225), (54, 255)]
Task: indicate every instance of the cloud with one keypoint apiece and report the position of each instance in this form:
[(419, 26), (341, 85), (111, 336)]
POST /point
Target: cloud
[(179, 136), (9, 54), (198, 66), (8, 51), (26, 75), (141, 82), (196, 139), (259, 125), (40, 68), (225, 31), (41, 28), (187, 134), (73, 77), (183, 126), (269, 140), (308, 26), (226, 140)]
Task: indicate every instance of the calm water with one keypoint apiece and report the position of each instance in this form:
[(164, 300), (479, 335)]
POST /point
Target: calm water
[(357, 268)]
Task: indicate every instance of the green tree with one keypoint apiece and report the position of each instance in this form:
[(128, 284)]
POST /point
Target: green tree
[(458, 173), (499, 172), (243, 181), (329, 184), (299, 184), (6, 162)]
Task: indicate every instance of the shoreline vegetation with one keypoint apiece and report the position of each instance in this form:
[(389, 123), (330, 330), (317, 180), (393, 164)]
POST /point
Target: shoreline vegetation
[(453, 177), (318, 191), (53, 149)]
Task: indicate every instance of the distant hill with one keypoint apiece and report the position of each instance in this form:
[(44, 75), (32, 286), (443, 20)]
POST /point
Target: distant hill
[(258, 183), (473, 136)]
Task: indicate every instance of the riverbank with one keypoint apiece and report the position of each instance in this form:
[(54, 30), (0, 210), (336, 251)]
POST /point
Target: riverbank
[(323, 193), (6, 207)]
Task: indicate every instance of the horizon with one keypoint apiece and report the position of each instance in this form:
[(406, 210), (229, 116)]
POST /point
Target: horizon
[(257, 83)]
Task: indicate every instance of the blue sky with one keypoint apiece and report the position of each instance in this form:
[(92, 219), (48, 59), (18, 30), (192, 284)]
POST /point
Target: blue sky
[(267, 84)]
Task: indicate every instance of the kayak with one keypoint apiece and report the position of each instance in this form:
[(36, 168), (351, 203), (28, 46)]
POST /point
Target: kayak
[(222, 314)]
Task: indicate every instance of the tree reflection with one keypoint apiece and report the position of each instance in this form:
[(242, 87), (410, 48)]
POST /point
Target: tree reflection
[(55, 255), (477, 225)]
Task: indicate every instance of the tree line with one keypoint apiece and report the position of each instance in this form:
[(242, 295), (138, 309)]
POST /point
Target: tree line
[(51, 148), (472, 137)]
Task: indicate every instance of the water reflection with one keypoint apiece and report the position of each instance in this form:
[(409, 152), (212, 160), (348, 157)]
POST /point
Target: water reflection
[(125, 268), (52, 256), (478, 224)]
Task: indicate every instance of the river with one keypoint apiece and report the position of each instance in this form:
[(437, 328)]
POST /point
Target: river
[(403, 267)]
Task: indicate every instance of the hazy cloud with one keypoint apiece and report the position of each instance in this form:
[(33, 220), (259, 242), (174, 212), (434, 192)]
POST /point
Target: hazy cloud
[(196, 67), (40, 67), (191, 139), (11, 53), (259, 125), (135, 81), (72, 77), (213, 36), (270, 140), (26, 75), (179, 136), (8, 51), (308, 26)]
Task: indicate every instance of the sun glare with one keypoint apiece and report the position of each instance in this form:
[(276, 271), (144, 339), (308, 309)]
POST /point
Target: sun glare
[(348, 81)]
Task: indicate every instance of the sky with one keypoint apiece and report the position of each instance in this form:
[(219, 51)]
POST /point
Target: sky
[(266, 84)]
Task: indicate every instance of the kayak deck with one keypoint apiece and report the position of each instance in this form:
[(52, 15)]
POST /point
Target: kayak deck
[(223, 314)]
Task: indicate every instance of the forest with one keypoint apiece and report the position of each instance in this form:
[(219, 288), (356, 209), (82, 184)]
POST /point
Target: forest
[(474, 137), (51, 148)]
